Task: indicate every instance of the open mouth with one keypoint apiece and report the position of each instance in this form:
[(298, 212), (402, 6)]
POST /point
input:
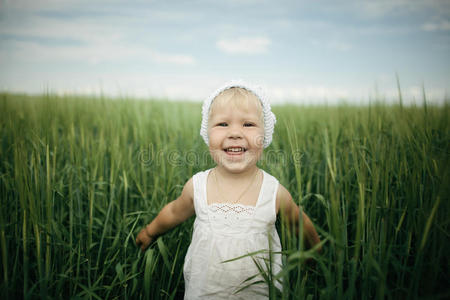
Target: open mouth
[(235, 150)]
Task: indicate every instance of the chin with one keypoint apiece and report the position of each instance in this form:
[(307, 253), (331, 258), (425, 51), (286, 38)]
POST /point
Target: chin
[(237, 167), (234, 169)]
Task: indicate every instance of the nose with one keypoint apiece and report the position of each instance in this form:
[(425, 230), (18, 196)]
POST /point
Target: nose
[(235, 132)]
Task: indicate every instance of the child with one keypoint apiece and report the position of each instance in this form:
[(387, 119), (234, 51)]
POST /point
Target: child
[(235, 203)]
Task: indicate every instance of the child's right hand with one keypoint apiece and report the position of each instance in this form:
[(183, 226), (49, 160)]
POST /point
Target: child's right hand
[(143, 239)]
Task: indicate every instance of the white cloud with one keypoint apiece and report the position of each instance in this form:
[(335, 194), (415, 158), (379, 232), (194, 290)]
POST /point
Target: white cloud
[(333, 44), (244, 45), (312, 94), (95, 42), (382, 8), (441, 25), (178, 59), (93, 53)]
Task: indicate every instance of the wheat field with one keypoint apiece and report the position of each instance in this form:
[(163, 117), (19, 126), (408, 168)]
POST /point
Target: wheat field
[(81, 175)]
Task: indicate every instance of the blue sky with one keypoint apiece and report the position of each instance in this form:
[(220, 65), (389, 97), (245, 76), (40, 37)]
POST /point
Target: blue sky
[(299, 51)]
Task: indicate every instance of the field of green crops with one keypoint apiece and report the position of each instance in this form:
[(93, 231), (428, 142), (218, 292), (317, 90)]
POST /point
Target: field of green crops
[(80, 176)]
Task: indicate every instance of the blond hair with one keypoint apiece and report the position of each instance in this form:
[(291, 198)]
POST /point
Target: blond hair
[(238, 97)]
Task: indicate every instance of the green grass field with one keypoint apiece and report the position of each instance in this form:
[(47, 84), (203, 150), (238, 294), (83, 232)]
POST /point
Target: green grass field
[(81, 176)]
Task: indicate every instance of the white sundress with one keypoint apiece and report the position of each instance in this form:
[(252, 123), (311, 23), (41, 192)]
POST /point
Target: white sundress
[(224, 231)]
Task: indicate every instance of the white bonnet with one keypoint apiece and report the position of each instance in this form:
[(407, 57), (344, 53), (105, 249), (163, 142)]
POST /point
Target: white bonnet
[(269, 117)]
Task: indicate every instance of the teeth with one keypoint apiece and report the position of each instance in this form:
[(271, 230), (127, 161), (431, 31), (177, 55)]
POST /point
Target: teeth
[(237, 149)]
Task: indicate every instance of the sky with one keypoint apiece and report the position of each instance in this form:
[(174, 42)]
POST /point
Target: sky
[(298, 51)]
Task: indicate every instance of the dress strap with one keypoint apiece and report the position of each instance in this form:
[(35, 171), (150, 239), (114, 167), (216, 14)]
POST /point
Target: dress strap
[(200, 205), (266, 208)]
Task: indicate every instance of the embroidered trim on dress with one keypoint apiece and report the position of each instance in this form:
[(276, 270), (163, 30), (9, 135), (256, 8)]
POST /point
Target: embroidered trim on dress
[(229, 209)]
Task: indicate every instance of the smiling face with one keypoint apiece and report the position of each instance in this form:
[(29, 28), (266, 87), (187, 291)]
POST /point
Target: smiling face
[(236, 130)]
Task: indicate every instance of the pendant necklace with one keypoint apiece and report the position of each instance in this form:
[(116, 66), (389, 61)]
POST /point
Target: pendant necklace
[(242, 194)]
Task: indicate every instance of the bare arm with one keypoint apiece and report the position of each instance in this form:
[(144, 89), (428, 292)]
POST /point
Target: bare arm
[(290, 214), (170, 216)]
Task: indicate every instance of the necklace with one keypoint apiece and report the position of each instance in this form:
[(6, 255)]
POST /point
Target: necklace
[(242, 194)]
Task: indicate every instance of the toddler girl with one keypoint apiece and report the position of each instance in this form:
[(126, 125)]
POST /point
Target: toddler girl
[(235, 203)]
